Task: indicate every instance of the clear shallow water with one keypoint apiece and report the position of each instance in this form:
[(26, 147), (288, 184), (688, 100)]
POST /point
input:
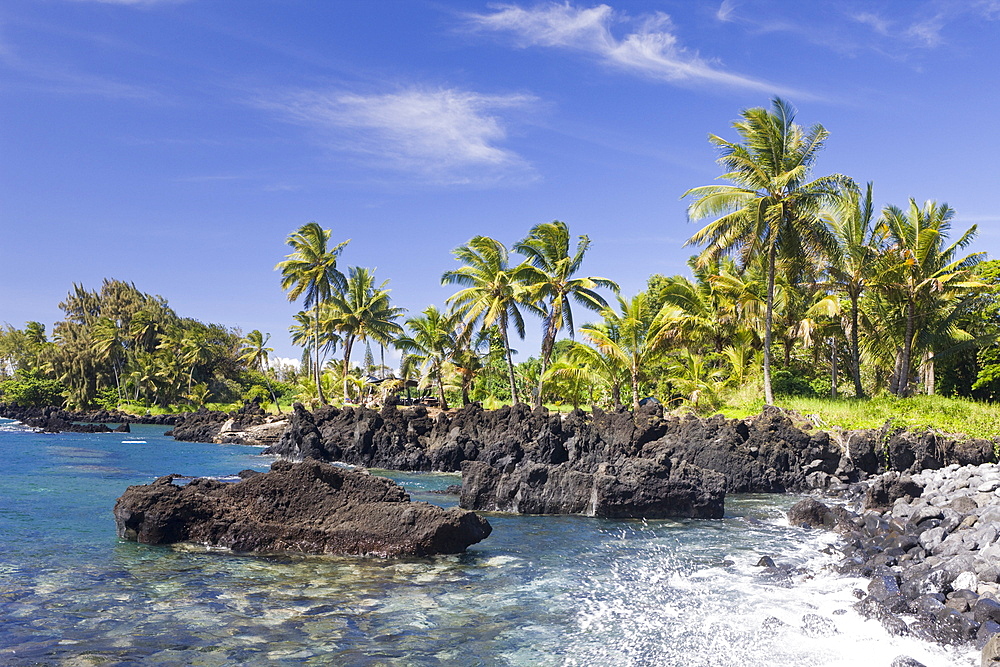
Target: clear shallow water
[(538, 591)]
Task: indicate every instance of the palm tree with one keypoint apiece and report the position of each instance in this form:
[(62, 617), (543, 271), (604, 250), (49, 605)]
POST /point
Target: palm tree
[(695, 379), (429, 345), (311, 271), (254, 354), (770, 207), (109, 346), (860, 241), (547, 248), (601, 362), (704, 315), (195, 351), (634, 338), (469, 357), (920, 272), (492, 294), (362, 310)]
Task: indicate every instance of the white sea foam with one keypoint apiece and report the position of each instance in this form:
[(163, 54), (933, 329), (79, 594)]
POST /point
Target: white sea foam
[(657, 612)]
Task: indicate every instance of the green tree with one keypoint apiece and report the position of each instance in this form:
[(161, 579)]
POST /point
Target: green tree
[(771, 208), (852, 269), (429, 346), (361, 311), (493, 292), (923, 276), (603, 364), (547, 248), (310, 271), (255, 353), (634, 338)]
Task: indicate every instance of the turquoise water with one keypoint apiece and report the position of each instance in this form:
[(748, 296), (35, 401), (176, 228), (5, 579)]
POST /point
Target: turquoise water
[(538, 591)]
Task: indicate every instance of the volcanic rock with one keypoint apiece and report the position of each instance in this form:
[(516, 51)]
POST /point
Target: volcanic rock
[(309, 507)]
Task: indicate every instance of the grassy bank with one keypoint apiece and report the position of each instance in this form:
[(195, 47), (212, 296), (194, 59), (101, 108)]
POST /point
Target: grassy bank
[(950, 415)]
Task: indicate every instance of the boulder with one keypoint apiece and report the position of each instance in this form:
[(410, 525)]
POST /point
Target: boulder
[(308, 507), (635, 488), (811, 513)]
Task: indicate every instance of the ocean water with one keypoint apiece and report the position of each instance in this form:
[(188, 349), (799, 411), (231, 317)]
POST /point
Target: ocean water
[(539, 591)]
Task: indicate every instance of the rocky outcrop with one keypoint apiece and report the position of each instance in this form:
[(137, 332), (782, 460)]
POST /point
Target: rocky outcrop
[(207, 425), (875, 451), (520, 460), (308, 507), (237, 432), (637, 488), (771, 452), (52, 419), (55, 420)]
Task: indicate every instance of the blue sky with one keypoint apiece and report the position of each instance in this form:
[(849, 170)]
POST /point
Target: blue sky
[(177, 143)]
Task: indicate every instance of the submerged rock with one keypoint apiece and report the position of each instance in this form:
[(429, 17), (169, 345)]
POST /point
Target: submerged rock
[(309, 507)]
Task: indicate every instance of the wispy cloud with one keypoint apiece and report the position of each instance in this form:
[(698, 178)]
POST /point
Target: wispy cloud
[(725, 11), (876, 22), (925, 25), (652, 49), (927, 32), (445, 136)]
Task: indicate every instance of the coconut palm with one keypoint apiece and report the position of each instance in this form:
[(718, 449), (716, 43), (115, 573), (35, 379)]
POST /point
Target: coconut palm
[(310, 271), (705, 315), (771, 208), (696, 380), (920, 273), (362, 310), (860, 240), (430, 344), (547, 248), (600, 362), (109, 347), (633, 337), (493, 292), (469, 357), (254, 353)]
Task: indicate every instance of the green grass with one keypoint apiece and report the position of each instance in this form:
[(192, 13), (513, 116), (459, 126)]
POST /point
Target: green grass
[(948, 415)]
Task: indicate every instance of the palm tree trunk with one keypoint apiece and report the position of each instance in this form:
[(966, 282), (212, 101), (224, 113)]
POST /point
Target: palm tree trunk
[(548, 342), (510, 361), (897, 373), (859, 391), (903, 388), (927, 371), (316, 366), (635, 389), (440, 386), (833, 367), (348, 346), (768, 393), (274, 397)]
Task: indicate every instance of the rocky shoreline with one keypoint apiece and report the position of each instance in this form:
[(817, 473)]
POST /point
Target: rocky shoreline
[(249, 425), (928, 544)]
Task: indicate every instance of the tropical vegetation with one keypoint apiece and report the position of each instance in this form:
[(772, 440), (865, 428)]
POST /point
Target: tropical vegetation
[(802, 287)]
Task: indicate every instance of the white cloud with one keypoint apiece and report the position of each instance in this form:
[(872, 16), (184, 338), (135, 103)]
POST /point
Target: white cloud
[(927, 32), (443, 135), (652, 49), (725, 11), (876, 22)]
